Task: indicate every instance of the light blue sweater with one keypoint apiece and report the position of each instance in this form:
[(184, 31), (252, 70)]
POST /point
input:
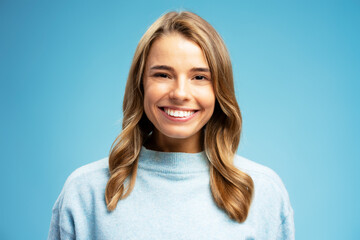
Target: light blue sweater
[(171, 200)]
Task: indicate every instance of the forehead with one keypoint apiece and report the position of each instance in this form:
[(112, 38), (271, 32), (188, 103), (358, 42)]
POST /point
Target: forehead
[(177, 50)]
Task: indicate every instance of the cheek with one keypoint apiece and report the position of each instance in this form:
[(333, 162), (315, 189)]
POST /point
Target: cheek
[(148, 102), (206, 97), (152, 94)]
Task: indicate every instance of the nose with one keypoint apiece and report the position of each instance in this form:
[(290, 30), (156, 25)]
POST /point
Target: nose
[(181, 90)]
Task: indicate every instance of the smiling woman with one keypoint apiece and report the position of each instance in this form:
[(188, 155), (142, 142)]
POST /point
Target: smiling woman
[(173, 172), (179, 97)]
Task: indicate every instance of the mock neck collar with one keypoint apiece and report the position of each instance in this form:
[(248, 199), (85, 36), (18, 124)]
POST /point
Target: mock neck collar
[(173, 162)]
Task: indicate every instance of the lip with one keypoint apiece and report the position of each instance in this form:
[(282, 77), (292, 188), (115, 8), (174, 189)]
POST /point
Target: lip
[(177, 119), (179, 108)]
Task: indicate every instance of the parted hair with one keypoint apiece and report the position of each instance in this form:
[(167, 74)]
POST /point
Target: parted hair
[(232, 189)]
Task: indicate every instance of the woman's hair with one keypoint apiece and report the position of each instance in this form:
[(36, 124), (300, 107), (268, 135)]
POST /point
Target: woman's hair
[(231, 188)]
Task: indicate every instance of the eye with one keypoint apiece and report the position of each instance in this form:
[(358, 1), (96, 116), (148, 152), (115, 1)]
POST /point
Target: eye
[(161, 75), (200, 77)]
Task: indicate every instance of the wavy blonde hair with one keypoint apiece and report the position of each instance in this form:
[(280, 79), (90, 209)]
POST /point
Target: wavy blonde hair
[(231, 188)]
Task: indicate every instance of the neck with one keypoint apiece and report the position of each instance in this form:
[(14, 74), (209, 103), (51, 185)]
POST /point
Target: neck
[(162, 143)]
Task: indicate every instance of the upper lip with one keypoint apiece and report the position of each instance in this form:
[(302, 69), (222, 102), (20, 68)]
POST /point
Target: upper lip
[(179, 108)]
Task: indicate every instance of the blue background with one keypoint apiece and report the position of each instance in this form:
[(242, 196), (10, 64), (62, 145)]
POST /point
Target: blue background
[(63, 67)]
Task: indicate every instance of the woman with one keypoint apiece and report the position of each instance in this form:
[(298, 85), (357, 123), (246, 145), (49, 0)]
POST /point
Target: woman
[(173, 173)]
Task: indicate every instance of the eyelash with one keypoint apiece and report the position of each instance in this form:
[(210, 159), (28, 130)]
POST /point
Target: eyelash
[(164, 75), (202, 77)]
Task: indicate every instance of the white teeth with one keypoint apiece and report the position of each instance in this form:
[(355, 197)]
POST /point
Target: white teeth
[(178, 113)]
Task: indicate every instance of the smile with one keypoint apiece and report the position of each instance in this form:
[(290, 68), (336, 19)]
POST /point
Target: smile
[(178, 113)]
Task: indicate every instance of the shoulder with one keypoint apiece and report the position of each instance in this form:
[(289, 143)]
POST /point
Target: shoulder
[(270, 190), (84, 183), (93, 171), (271, 208), (82, 193), (258, 171)]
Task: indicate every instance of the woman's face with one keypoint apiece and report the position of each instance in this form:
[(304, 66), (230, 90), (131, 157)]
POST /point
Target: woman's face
[(179, 97)]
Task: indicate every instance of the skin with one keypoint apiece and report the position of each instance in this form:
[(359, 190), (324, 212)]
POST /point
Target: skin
[(177, 76)]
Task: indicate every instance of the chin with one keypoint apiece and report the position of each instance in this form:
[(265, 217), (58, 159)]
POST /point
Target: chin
[(178, 134)]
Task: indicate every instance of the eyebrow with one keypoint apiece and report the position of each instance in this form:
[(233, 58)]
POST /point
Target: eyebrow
[(168, 68), (162, 67), (200, 69)]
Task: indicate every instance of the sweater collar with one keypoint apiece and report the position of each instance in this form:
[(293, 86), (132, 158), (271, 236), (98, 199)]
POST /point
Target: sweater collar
[(173, 162)]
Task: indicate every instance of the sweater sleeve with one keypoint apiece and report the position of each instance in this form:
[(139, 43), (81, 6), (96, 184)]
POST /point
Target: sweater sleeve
[(56, 231), (62, 223), (286, 229)]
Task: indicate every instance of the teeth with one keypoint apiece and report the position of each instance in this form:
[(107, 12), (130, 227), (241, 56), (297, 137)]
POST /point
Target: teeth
[(178, 113)]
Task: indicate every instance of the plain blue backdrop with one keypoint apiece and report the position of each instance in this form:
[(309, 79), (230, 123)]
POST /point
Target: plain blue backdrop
[(63, 67)]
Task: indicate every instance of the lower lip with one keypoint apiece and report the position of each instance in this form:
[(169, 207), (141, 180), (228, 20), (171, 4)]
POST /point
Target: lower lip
[(178, 119)]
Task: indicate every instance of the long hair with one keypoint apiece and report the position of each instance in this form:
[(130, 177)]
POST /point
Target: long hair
[(232, 189)]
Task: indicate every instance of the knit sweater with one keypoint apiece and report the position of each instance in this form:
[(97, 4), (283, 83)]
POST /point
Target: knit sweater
[(171, 200)]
